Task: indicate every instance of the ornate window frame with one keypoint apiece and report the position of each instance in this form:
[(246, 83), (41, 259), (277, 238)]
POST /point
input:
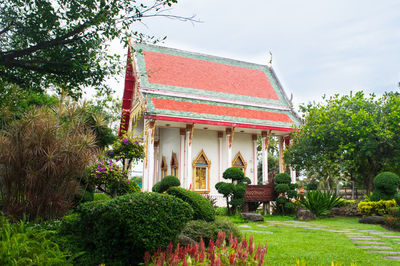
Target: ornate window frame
[(164, 167), (207, 166), (240, 157), (174, 165)]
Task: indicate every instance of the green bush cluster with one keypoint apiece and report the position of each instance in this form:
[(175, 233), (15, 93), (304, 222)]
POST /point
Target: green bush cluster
[(202, 207), (101, 197), (197, 229), (287, 193), (119, 231), (234, 191), (369, 208), (166, 183), (385, 186)]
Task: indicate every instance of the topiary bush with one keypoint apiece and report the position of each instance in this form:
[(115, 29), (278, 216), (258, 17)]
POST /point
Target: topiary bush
[(234, 174), (197, 229), (127, 187), (166, 183), (385, 186), (101, 196), (286, 192), (203, 209), (119, 231)]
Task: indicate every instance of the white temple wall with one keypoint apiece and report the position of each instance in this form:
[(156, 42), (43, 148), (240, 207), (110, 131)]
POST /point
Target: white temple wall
[(169, 142), (243, 143)]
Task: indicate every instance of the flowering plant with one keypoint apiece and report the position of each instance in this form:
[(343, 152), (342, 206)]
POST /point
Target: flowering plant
[(218, 253), (128, 149)]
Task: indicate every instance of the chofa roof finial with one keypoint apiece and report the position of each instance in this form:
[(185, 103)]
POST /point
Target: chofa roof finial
[(270, 60)]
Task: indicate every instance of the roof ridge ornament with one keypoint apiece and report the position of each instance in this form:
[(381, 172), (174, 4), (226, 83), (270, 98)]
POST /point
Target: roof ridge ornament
[(270, 60)]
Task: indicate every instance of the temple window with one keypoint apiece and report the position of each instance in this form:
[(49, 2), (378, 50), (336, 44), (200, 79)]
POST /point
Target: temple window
[(239, 162), (201, 173), (164, 168), (174, 165)]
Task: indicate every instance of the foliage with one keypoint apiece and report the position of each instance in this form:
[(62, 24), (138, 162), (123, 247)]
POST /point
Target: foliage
[(351, 137), (234, 191), (128, 149), (212, 200), (344, 202), (217, 253), (166, 183), (369, 208), (21, 244), (203, 209), (392, 220), (286, 192), (122, 229), (200, 229), (51, 156), (386, 185), (221, 211), (101, 197), (273, 166), (312, 186), (320, 203), (64, 43)]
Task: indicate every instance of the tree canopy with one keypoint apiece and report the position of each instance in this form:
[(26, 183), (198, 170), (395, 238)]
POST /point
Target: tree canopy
[(63, 43), (353, 135)]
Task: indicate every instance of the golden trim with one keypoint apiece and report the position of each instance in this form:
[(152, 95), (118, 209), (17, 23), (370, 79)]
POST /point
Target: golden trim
[(176, 165), (164, 170), (230, 132), (267, 136), (201, 153), (190, 128), (239, 156)]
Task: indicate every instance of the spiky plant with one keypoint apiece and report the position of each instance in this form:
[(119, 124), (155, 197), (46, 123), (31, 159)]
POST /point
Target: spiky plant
[(41, 160)]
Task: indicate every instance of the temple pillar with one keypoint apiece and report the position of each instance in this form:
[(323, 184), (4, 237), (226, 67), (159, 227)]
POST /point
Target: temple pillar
[(255, 160), (281, 165), (220, 162), (181, 170), (148, 170), (265, 137), (189, 170), (156, 161), (229, 140), (292, 171)]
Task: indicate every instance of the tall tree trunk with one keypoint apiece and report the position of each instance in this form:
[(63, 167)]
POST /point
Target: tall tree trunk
[(370, 183)]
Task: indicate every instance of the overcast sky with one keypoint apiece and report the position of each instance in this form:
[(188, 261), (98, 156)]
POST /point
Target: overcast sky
[(319, 47)]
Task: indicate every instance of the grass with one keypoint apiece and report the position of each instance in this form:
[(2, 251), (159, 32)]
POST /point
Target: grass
[(288, 244)]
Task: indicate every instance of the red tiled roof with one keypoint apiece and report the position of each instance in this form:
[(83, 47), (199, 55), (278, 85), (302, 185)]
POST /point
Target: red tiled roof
[(187, 72), (183, 106)]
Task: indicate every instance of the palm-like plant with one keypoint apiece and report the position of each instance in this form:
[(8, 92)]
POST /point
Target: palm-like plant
[(320, 203)]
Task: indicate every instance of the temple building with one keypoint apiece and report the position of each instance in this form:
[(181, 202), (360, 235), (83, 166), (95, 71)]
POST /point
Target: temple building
[(200, 114)]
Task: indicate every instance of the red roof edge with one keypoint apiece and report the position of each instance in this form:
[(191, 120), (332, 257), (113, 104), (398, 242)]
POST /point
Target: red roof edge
[(128, 94), (219, 123)]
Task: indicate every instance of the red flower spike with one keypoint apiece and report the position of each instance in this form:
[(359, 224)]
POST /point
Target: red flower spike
[(184, 262), (169, 249), (230, 240), (147, 257), (232, 258), (161, 259)]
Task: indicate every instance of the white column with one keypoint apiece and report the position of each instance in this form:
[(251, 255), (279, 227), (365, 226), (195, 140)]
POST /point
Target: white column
[(265, 136), (255, 161), (220, 164), (150, 149), (189, 170), (292, 171), (229, 140), (182, 157), (281, 166), (156, 161)]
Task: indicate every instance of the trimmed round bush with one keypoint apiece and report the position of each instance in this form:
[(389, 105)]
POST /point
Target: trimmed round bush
[(127, 187), (292, 194), (397, 198), (386, 184), (282, 178), (281, 200), (203, 209), (119, 231), (233, 173), (281, 188), (197, 229), (101, 196), (156, 187), (169, 181)]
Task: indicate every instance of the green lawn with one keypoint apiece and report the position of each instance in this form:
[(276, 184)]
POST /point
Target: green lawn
[(287, 244)]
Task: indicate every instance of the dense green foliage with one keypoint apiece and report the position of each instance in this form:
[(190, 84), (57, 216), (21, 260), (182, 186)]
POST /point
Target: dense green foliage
[(127, 149), (100, 197), (203, 209), (64, 43), (120, 230), (386, 185), (352, 137), (368, 208), (166, 183), (197, 229), (22, 244), (287, 194), (320, 203), (234, 191)]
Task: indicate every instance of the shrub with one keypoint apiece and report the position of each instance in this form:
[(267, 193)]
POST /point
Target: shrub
[(203, 209), (369, 208), (167, 182), (21, 244), (320, 203), (234, 191), (385, 186), (127, 187), (282, 178), (101, 197), (287, 193), (218, 253), (234, 174), (392, 220), (312, 186), (41, 161), (197, 229), (221, 211), (156, 187), (128, 149), (120, 230)]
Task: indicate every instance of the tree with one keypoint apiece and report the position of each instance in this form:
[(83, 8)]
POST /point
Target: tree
[(63, 43), (352, 136)]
